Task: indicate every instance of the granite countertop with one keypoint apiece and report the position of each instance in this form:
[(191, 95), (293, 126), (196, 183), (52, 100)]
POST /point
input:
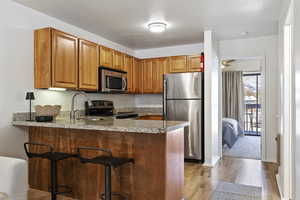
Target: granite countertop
[(118, 125)]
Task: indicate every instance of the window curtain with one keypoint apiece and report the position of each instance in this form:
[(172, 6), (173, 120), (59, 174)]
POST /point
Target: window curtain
[(233, 96)]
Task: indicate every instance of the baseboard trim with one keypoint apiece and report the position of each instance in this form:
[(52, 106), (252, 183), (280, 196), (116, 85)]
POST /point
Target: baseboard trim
[(279, 188), (269, 161), (213, 162)]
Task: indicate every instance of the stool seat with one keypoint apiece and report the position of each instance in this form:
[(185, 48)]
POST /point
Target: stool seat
[(52, 155), (107, 160)]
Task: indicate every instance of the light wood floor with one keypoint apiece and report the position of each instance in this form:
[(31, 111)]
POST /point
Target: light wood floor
[(201, 181)]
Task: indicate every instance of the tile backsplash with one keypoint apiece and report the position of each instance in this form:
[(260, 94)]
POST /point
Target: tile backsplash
[(148, 100), (46, 97)]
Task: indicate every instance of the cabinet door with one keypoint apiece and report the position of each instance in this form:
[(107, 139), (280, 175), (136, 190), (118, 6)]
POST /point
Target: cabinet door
[(158, 71), (106, 57), (88, 65), (64, 60), (160, 67), (128, 67), (165, 62), (137, 76), (178, 64), (147, 76), (42, 58), (118, 60), (194, 63), (151, 117)]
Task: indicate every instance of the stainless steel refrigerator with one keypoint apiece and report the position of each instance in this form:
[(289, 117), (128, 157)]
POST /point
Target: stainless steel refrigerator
[(183, 101)]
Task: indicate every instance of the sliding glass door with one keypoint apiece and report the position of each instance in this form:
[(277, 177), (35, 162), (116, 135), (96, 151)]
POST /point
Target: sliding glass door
[(253, 111)]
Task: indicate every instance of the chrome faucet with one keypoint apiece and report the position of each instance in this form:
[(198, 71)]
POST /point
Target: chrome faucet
[(73, 111)]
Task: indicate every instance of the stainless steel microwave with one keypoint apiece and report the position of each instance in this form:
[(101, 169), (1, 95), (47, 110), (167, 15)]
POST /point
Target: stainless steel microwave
[(112, 80)]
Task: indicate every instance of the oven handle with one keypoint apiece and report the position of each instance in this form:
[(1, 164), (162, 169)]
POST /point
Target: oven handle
[(124, 80)]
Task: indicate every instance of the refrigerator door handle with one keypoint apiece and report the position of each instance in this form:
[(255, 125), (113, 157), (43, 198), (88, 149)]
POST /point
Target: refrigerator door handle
[(165, 99)]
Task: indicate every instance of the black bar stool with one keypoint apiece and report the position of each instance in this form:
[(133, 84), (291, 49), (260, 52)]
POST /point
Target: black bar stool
[(108, 161), (53, 157)]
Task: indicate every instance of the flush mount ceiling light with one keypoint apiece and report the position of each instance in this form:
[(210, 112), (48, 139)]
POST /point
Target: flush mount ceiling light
[(157, 27)]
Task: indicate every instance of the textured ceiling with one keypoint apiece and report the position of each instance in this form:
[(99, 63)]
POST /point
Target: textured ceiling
[(123, 21)]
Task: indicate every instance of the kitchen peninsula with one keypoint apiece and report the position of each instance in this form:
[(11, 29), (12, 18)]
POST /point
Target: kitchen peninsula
[(157, 148)]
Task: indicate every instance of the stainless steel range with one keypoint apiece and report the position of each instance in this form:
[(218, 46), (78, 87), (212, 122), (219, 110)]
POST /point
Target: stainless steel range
[(103, 108)]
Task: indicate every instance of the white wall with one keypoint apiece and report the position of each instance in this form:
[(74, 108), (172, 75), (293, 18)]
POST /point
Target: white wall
[(284, 177), (148, 100), (189, 49), (16, 69), (245, 65), (212, 100), (297, 93), (267, 48)]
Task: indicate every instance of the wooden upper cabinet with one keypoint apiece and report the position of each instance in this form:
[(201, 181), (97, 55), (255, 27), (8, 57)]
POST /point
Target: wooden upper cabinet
[(137, 76), (157, 75), (42, 58), (194, 63), (148, 76), (118, 62), (55, 59), (64, 60), (88, 65), (128, 67), (178, 64), (106, 57), (165, 62), (160, 67)]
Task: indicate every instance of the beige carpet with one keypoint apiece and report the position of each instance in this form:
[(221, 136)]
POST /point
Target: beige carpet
[(231, 191)]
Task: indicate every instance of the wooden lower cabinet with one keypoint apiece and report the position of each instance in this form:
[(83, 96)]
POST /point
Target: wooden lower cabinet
[(88, 65), (157, 172), (151, 117)]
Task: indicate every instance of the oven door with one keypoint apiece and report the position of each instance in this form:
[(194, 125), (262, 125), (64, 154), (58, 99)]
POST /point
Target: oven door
[(113, 81)]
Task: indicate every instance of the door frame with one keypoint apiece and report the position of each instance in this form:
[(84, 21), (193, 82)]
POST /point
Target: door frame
[(288, 105), (262, 60)]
